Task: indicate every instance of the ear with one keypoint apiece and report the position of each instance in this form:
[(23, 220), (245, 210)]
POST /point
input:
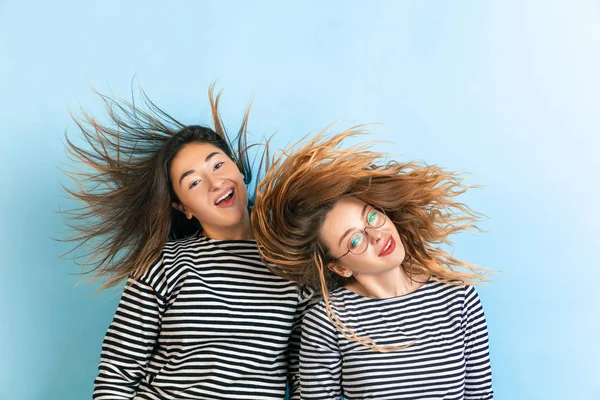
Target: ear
[(341, 271), (182, 209), (178, 207)]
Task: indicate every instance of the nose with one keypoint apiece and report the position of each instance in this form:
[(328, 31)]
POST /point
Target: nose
[(215, 183), (374, 234)]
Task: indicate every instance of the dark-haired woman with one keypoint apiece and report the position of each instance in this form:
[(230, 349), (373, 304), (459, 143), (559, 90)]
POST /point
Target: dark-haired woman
[(201, 317), (399, 318)]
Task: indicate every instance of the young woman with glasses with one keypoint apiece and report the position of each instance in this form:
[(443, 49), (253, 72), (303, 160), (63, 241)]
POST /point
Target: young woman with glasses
[(399, 318)]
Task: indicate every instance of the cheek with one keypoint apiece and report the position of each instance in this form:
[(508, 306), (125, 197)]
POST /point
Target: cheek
[(231, 168), (209, 216), (400, 251), (194, 200), (240, 178), (242, 191)]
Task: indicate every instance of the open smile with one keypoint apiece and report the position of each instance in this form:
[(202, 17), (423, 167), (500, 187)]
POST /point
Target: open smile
[(226, 198), (388, 247)]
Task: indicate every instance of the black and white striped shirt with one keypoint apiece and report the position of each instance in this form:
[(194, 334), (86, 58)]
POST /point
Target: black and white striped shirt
[(207, 321), (448, 358)]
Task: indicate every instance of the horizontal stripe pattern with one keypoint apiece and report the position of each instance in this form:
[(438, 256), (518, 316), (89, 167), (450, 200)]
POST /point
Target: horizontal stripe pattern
[(207, 321), (447, 357)]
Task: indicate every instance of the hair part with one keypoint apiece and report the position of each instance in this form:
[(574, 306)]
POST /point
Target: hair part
[(306, 180), (127, 193)]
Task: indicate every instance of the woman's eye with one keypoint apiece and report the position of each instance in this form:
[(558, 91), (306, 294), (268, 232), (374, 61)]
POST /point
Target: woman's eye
[(373, 217), (356, 240), (194, 184), (219, 164)]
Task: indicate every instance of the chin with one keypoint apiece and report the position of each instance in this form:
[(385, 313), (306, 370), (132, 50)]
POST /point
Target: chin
[(398, 260)]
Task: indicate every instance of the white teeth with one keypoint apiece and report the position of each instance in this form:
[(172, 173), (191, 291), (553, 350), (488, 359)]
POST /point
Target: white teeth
[(388, 246), (220, 199)]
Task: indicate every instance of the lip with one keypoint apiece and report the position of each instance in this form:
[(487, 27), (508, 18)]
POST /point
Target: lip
[(390, 249), (228, 202)]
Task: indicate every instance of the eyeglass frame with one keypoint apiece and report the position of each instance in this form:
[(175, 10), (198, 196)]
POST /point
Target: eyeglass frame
[(369, 226)]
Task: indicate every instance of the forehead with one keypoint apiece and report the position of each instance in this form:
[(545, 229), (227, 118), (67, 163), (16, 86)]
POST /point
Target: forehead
[(344, 215), (192, 153)]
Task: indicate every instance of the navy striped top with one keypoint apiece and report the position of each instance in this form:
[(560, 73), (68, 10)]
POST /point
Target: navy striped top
[(448, 356), (207, 321)]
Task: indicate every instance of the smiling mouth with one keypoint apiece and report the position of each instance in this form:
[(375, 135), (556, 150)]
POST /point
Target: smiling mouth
[(388, 248), (225, 197)]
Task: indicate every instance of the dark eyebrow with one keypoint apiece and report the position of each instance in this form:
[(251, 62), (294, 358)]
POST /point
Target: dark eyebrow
[(362, 215), (211, 155), (186, 173), (191, 171)]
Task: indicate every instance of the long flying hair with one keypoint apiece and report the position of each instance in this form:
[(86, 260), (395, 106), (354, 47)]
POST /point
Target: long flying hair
[(306, 180), (126, 189)]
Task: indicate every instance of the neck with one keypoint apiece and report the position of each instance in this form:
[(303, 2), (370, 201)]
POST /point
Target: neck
[(391, 283), (240, 231)]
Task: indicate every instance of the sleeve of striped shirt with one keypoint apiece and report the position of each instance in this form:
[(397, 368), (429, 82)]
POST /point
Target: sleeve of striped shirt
[(320, 357), (306, 299), (478, 383), (129, 342)]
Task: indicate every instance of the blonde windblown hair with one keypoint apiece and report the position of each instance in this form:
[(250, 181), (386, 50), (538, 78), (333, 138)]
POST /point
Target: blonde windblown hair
[(306, 180)]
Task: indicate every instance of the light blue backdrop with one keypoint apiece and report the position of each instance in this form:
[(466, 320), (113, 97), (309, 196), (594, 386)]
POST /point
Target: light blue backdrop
[(507, 90)]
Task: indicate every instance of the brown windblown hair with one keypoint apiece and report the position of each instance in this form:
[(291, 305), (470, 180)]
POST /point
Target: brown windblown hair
[(306, 180), (127, 215)]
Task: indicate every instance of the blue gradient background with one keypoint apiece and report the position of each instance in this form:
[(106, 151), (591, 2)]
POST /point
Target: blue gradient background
[(508, 91)]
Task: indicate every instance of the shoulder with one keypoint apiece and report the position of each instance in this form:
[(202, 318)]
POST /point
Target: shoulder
[(156, 274), (317, 315), (318, 312), (194, 243), (228, 259), (456, 287), (471, 300), (174, 249), (441, 288), (465, 295), (191, 251), (316, 322)]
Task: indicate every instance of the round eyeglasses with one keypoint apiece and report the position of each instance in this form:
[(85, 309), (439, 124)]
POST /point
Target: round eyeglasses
[(358, 242)]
